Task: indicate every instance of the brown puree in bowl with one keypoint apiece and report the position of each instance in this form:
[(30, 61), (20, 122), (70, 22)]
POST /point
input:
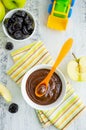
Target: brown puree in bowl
[(54, 87)]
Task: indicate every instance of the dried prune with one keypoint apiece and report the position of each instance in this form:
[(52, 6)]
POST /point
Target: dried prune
[(13, 108), (17, 26), (30, 31), (27, 20), (24, 30), (10, 29), (18, 35), (29, 27), (9, 46), (21, 13), (6, 22)]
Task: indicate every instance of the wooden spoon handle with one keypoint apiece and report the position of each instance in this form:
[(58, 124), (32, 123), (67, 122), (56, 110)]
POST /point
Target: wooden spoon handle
[(65, 49)]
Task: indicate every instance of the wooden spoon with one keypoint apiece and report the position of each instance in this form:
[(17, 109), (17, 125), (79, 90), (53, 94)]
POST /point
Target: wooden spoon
[(42, 87)]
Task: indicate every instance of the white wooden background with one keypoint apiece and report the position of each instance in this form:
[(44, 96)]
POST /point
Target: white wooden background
[(26, 117)]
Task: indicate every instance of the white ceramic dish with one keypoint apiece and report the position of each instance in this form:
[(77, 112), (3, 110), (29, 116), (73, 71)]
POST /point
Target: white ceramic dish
[(33, 104), (8, 15)]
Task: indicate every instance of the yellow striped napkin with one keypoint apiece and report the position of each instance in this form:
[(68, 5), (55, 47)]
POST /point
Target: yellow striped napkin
[(35, 54)]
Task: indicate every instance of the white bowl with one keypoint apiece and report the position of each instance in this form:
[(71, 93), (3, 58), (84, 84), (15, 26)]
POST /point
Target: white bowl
[(33, 104), (8, 15)]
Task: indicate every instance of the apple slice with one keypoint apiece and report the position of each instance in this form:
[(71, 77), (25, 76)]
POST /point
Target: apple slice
[(82, 63), (5, 93), (83, 76), (77, 69), (73, 70)]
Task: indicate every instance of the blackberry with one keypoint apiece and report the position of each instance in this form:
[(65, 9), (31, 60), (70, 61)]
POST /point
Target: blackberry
[(9, 46), (13, 108)]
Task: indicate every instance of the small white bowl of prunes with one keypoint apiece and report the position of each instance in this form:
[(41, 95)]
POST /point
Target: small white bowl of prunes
[(19, 24)]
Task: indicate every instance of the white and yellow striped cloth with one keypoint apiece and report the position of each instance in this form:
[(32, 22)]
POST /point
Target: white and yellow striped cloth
[(69, 109)]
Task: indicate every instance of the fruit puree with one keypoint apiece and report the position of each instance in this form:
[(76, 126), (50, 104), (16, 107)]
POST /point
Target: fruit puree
[(54, 87)]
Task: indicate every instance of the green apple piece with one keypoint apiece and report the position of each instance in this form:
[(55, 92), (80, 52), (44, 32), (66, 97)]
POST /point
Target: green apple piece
[(2, 11), (77, 69), (12, 4), (5, 93)]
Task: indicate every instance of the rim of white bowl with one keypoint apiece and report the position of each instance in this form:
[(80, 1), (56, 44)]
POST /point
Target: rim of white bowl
[(8, 15), (33, 104)]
